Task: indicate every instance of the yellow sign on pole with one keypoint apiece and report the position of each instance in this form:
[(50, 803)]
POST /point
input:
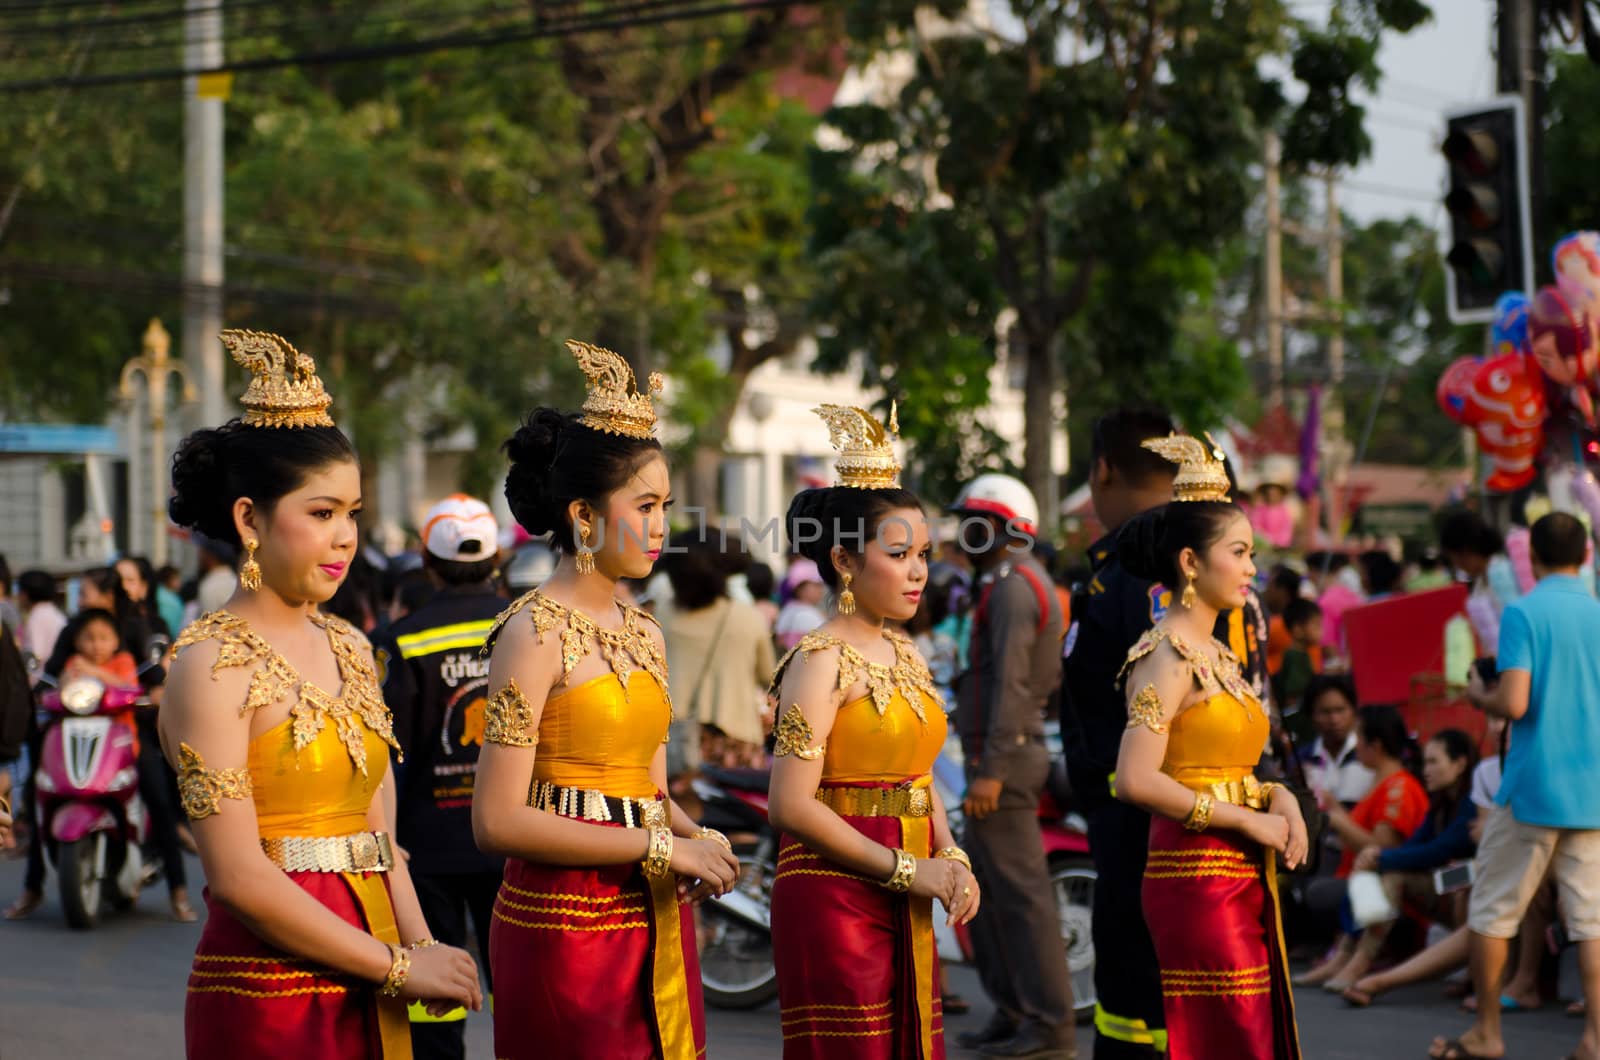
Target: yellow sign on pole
[(214, 86)]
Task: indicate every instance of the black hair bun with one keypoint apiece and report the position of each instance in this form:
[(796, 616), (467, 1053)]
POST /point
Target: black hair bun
[(533, 450), (200, 497), (806, 526), (1139, 545)]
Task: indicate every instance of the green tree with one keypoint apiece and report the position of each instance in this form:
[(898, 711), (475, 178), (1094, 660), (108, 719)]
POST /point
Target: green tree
[(1083, 161)]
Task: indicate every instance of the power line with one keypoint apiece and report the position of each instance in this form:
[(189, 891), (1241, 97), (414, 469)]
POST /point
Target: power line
[(1394, 191), (447, 42)]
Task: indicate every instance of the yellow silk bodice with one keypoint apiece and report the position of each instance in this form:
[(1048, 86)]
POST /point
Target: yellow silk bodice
[(315, 790), (314, 773), (1218, 739), (867, 746), (599, 735)]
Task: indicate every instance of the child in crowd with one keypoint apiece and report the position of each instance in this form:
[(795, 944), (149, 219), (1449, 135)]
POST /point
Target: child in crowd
[(1302, 660), (98, 652)]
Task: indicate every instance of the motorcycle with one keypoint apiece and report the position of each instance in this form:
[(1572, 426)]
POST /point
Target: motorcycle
[(89, 813), (736, 964)]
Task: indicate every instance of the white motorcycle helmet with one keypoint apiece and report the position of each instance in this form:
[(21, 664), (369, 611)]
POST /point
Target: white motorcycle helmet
[(1003, 496)]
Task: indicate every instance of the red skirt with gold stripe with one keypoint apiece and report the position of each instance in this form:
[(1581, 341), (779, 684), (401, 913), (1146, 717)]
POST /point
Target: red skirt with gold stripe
[(1211, 900), (593, 962), (858, 974), (250, 1001)]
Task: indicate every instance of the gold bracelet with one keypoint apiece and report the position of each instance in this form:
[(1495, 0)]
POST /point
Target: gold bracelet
[(1266, 793), (955, 854), (658, 859), (422, 944), (712, 833), (399, 969), (1200, 816), (905, 870)]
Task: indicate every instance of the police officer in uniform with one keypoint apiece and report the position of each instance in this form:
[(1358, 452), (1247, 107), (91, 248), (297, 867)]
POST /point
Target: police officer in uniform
[(1013, 670), (436, 684), (1109, 615)]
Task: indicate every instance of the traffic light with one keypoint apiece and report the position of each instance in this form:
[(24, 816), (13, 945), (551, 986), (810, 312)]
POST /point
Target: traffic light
[(1491, 231)]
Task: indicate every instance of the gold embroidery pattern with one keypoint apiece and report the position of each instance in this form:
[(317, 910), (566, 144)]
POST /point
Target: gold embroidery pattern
[(202, 790), (624, 650), (507, 717), (1203, 982), (802, 1021), (909, 674), (1224, 676), (360, 698), (1146, 710), (793, 736), (1195, 864)]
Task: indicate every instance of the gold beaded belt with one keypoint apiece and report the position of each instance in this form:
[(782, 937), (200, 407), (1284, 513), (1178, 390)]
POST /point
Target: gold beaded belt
[(1246, 791), (591, 804), (358, 852), (877, 802)]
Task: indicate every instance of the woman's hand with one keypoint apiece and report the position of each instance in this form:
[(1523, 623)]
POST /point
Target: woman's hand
[(704, 866), (6, 822), (1367, 859), (1271, 830), (964, 905), (1285, 805), (443, 975)]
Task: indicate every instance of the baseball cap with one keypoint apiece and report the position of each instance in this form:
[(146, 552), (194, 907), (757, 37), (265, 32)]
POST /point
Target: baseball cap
[(460, 528)]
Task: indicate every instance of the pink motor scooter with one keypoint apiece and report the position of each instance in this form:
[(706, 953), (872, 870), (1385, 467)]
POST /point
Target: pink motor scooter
[(89, 811)]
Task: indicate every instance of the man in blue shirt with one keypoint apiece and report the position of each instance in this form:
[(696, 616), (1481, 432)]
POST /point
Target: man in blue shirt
[(1546, 816)]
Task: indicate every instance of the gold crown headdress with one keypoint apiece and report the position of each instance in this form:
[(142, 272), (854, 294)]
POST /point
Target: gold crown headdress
[(866, 451), (613, 405), (1201, 474), (284, 390)]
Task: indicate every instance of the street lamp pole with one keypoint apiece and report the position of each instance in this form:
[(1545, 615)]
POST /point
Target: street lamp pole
[(158, 368)]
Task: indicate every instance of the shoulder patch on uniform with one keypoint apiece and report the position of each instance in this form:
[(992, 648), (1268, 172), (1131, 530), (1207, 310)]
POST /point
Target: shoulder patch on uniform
[(1160, 601)]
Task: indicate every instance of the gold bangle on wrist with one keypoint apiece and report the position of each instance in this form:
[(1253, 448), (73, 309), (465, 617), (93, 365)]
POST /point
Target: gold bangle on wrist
[(955, 854), (1267, 791), (712, 833), (422, 944), (905, 870), (658, 859), (1200, 816), (399, 969)]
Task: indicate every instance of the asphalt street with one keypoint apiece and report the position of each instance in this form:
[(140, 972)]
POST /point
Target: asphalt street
[(116, 993)]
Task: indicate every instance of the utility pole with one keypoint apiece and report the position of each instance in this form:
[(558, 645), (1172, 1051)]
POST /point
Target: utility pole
[(1521, 71), (1335, 446), (202, 206), (1274, 273)]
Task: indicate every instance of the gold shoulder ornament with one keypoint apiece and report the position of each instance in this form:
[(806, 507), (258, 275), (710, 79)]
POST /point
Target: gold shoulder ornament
[(202, 790), (507, 717), (793, 736), (1145, 709)]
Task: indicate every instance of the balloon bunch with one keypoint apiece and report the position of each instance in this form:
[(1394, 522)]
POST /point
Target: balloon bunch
[(1542, 368)]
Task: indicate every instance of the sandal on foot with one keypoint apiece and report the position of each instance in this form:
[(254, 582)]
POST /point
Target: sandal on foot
[(1357, 998), (183, 912), (1454, 1050), (24, 907), (954, 1004)]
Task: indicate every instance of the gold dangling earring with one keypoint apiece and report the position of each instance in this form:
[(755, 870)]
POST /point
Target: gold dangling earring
[(250, 571), (585, 557), (1186, 601), (847, 599)]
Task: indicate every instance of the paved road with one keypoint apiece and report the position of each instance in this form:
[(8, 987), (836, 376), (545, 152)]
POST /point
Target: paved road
[(117, 994)]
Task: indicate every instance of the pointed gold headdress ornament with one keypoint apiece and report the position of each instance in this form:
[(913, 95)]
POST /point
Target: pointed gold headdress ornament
[(866, 451), (284, 389), (613, 405), (1201, 474)]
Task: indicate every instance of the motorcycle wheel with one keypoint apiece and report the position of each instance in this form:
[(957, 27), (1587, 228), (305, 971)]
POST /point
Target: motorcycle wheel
[(82, 874), (736, 965), (1073, 879)]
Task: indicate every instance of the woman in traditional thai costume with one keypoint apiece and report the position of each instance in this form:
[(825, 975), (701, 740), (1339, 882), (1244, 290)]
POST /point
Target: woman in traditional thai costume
[(592, 941), (276, 724), (1195, 732), (866, 846)]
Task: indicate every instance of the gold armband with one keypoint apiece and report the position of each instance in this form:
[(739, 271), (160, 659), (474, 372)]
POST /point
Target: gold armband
[(507, 717), (1199, 817), (658, 859), (712, 833), (955, 854), (1146, 710), (1266, 793), (793, 736), (905, 870), (202, 790), (399, 970)]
